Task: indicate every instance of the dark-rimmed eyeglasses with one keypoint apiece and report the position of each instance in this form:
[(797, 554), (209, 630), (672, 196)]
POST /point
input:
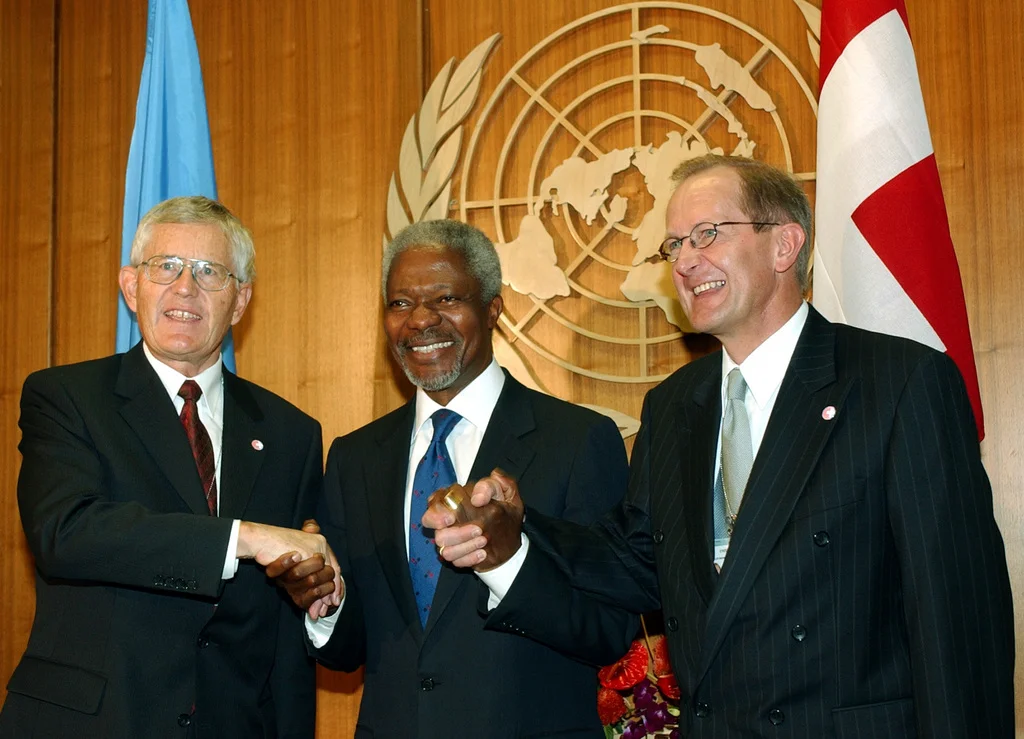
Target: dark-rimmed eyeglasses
[(164, 269), (701, 236)]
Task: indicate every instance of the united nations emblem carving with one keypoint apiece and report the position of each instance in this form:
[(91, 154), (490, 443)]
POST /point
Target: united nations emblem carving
[(568, 164)]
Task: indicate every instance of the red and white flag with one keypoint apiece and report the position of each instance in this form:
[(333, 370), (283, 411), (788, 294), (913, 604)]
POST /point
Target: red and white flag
[(883, 257)]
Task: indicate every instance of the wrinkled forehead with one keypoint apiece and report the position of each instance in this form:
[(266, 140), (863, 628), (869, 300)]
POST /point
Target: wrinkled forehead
[(190, 240), (710, 196)]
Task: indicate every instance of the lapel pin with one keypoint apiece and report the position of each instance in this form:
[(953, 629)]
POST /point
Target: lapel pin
[(258, 445), (828, 414)]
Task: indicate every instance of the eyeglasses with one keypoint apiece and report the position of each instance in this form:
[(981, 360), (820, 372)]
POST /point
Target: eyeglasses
[(210, 276), (701, 236)]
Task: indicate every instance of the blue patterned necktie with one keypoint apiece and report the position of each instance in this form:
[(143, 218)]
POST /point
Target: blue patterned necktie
[(434, 471)]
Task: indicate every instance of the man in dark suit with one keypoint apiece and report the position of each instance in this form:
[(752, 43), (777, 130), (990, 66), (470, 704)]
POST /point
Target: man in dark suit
[(434, 668), (808, 506), (152, 485)]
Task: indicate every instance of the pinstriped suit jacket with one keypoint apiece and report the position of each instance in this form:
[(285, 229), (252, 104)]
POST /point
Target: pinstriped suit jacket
[(865, 593)]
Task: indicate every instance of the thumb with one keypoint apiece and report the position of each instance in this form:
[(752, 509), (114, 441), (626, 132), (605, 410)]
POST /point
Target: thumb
[(310, 526)]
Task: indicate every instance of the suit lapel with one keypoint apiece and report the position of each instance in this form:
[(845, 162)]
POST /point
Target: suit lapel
[(240, 461), (794, 439), (150, 413), (502, 446), (386, 472), (698, 416)]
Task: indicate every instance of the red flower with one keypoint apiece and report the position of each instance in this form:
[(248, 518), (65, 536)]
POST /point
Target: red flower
[(628, 671), (611, 706), (659, 651), (669, 687)]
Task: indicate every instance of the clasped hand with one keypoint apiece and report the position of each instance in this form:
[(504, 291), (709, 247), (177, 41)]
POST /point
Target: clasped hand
[(312, 580), (484, 531)]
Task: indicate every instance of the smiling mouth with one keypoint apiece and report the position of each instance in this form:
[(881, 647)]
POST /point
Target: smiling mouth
[(437, 346), (182, 315), (705, 286)]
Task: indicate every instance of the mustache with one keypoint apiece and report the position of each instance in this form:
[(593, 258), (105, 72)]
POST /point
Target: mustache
[(428, 336)]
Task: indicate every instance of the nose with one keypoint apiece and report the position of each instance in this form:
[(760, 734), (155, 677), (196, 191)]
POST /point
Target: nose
[(688, 260), (186, 283), (423, 316)]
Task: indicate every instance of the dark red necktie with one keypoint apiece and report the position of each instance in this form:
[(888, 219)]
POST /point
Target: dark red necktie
[(199, 440)]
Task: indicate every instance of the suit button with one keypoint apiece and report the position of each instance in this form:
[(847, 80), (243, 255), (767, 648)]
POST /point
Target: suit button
[(427, 684), (202, 642), (184, 720), (821, 539), (672, 623), (799, 632), (659, 536), (776, 716), (701, 709)]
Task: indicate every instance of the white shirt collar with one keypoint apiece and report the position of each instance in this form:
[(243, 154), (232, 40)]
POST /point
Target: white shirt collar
[(765, 367), (210, 380), (475, 403)]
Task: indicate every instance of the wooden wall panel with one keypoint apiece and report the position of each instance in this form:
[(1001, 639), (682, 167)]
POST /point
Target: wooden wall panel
[(27, 29), (307, 104), (100, 61)]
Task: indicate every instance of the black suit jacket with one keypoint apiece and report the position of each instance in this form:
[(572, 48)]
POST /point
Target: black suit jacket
[(865, 593), (134, 625), (457, 677)]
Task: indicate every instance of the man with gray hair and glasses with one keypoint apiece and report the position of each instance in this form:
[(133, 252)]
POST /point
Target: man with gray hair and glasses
[(154, 484), (436, 666)]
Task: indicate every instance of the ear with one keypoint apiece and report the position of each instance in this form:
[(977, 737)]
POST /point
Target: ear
[(789, 239), (494, 309), (242, 299), (128, 279)]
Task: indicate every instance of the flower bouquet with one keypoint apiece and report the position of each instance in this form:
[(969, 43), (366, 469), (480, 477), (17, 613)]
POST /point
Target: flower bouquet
[(638, 696)]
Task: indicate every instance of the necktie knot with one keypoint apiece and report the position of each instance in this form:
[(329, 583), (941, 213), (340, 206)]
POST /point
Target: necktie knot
[(444, 422), (736, 389), (190, 390)]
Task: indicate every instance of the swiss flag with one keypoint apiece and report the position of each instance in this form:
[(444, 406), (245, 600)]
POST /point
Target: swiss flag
[(883, 257)]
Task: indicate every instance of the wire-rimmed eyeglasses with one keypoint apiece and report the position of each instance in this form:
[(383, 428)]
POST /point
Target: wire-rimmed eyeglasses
[(164, 269), (701, 236)]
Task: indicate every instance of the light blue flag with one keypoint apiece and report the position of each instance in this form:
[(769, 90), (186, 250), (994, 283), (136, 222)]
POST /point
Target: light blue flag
[(170, 154)]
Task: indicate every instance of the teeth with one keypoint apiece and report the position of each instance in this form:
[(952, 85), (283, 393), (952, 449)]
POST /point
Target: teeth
[(705, 286), (182, 315), (433, 347)]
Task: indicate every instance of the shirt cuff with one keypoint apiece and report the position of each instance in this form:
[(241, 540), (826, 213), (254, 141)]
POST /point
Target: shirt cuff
[(500, 579), (320, 631), (231, 558)]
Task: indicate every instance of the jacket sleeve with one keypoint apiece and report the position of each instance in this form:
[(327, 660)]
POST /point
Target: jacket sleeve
[(574, 570), (346, 649), (78, 528), (293, 677), (956, 590)]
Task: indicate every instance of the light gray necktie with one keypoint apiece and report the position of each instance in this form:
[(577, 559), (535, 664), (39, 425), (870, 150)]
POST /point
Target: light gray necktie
[(737, 454)]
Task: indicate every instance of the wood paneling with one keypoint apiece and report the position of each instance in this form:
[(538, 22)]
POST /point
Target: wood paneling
[(307, 104), (27, 76)]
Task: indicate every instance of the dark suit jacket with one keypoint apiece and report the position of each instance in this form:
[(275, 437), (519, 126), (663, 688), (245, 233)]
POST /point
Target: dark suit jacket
[(134, 625), (865, 593), (457, 677)]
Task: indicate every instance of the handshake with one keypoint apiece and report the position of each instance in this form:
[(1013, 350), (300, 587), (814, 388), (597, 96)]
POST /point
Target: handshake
[(475, 527)]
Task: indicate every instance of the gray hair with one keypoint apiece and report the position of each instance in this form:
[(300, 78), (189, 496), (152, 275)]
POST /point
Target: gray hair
[(196, 209), (769, 194), (472, 244)]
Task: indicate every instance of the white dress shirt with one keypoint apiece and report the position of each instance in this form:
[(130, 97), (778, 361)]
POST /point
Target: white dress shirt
[(475, 403), (763, 371), (211, 414)]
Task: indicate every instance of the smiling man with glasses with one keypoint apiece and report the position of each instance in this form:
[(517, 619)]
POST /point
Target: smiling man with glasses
[(155, 486), (807, 506)]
